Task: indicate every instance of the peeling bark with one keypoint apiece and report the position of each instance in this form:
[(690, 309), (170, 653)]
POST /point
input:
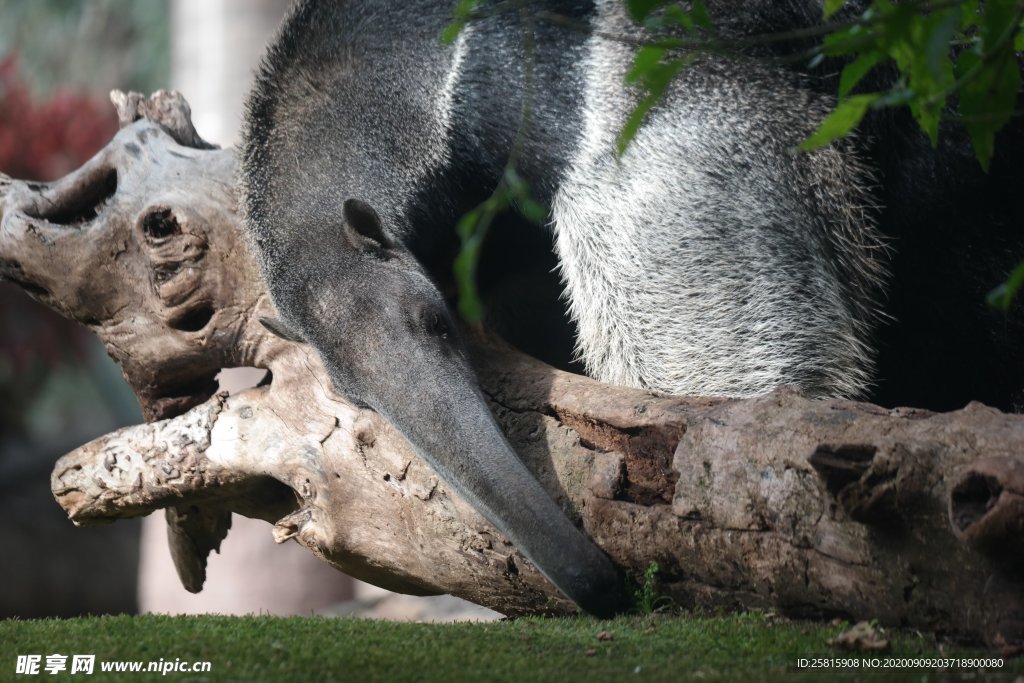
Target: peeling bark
[(810, 508)]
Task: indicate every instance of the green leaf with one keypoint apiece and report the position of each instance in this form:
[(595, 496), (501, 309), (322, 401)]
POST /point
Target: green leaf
[(656, 79), (1002, 296), (518, 194), (938, 38), (675, 16), (968, 13), (857, 70), (639, 10), (471, 231), (922, 52), (451, 31), (514, 184), (462, 13), (928, 117), (473, 227), (471, 308), (988, 97), (841, 121), (700, 15), (646, 61), (899, 33), (998, 18), (832, 6), (897, 96), (531, 210), (466, 227), (636, 117), (847, 41)]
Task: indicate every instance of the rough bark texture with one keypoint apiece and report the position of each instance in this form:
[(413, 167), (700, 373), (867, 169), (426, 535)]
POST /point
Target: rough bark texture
[(810, 508)]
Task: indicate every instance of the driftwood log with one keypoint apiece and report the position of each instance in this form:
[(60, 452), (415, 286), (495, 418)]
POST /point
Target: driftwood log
[(809, 508)]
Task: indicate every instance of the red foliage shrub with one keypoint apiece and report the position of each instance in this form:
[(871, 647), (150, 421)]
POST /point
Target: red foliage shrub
[(40, 141), (45, 140)]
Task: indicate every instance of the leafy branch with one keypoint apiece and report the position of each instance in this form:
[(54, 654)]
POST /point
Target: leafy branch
[(512, 191), (982, 72), (473, 228)]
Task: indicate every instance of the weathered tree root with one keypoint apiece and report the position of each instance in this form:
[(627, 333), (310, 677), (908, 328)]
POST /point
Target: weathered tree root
[(810, 508)]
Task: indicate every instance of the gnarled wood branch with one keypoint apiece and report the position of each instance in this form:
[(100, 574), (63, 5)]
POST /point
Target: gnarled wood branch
[(812, 508)]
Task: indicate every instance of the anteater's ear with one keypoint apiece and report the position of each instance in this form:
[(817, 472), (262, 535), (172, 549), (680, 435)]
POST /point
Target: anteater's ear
[(281, 330), (364, 227)]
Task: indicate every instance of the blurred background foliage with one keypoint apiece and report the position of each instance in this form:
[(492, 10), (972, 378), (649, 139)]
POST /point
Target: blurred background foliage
[(88, 46), (58, 61), (58, 389)]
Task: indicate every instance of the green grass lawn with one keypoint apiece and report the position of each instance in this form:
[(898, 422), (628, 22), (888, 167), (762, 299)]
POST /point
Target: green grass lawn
[(648, 648)]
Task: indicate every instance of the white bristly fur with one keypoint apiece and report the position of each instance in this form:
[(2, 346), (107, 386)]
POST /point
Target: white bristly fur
[(690, 267)]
